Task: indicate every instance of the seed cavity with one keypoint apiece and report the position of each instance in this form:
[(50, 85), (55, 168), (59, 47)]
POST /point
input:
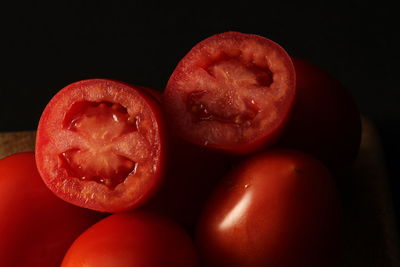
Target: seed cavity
[(200, 111), (100, 124), (79, 164)]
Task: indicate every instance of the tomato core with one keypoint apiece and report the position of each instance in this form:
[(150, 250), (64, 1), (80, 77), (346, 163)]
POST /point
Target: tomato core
[(100, 125), (240, 67), (232, 76)]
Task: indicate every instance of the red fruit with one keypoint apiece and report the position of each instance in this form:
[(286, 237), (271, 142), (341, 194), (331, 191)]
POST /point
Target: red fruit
[(232, 92), (133, 239), (325, 121), (276, 209), (100, 145), (191, 175), (157, 95), (36, 227)]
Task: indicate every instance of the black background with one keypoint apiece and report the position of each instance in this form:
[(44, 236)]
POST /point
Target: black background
[(46, 47)]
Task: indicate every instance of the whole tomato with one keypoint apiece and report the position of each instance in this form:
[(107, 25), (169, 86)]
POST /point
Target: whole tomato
[(276, 209), (36, 227), (191, 174), (325, 121), (139, 238)]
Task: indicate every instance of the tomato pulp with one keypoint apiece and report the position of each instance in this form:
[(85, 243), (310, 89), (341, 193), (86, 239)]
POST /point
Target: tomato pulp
[(138, 238), (280, 208), (231, 92), (100, 145), (36, 227)]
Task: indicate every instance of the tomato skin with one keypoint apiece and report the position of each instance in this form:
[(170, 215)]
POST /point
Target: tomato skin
[(191, 174), (140, 183), (325, 121), (277, 209), (139, 238), (220, 130), (157, 95), (36, 227)]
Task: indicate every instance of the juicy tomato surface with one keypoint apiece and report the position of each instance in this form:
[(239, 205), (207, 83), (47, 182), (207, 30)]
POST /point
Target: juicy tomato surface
[(36, 227), (232, 92), (139, 238), (100, 145), (278, 209), (325, 121)]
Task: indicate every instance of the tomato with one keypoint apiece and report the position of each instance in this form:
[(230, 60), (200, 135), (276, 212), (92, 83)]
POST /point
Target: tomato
[(280, 209), (232, 92), (157, 95), (36, 227), (191, 175), (325, 121), (139, 238), (100, 145)]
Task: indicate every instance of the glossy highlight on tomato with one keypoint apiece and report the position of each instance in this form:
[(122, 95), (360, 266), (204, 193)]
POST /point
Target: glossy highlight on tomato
[(100, 145), (232, 92), (279, 208), (36, 227), (139, 238)]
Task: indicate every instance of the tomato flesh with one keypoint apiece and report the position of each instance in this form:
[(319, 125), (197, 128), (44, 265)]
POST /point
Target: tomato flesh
[(100, 145), (232, 92), (100, 124)]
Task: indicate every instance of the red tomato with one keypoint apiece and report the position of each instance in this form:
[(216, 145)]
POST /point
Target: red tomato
[(191, 175), (232, 92), (100, 145), (36, 227), (132, 239), (157, 95), (277, 209), (325, 121)]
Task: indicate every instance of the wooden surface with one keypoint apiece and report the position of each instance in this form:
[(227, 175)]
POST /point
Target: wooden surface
[(370, 233), (13, 142)]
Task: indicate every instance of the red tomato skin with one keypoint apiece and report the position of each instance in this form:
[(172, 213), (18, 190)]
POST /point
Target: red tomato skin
[(157, 95), (182, 72), (46, 127), (139, 238), (280, 209), (325, 121), (36, 227), (191, 174)]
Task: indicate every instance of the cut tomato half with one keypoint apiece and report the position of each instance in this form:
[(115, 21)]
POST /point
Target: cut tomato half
[(100, 145), (231, 92)]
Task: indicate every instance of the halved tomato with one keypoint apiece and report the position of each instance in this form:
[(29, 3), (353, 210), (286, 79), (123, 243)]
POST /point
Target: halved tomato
[(232, 92), (100, 145)]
